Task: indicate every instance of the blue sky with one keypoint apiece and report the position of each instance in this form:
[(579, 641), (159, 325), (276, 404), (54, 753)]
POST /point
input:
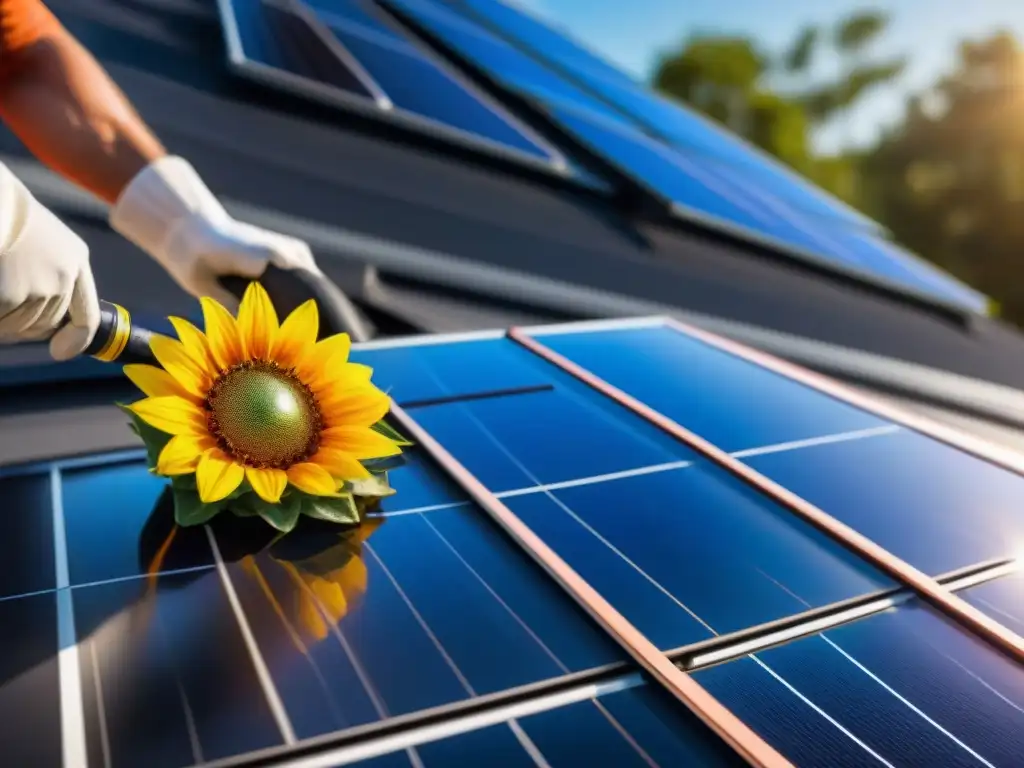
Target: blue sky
[(926, 31)]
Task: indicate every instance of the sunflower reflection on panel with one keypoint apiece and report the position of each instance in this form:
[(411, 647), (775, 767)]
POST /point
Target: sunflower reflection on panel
[(307, 582)]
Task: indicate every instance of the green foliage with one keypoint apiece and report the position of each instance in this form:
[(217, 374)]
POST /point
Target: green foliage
[(800, 56), (949, 179), (346, 508), (855, 32)]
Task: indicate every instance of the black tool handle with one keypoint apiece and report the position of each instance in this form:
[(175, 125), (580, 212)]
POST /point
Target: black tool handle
[(118, 339)]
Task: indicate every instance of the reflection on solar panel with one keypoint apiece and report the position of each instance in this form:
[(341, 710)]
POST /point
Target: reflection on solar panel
[(431, 636), (346, 55), (700, 172)]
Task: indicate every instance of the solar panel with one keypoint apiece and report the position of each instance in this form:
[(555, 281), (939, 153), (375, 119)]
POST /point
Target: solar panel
[(901, 688), (697, 191), (928, 503), (706, 175), (431, 636), (346, 55)]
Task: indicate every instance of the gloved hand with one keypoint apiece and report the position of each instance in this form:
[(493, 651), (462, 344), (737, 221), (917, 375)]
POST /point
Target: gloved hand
[(170, 214), (44, 274)]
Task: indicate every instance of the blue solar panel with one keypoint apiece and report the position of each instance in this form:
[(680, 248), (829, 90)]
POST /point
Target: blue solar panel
[(632, 511), (698, 191), (350, 56), (900, 688), (708, 175), (200, 644), (419, 610), (931, 505), (633, 728)]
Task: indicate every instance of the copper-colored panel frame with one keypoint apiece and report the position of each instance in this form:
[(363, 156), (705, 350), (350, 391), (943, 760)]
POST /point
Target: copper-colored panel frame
[(974, 620), (724, 723)]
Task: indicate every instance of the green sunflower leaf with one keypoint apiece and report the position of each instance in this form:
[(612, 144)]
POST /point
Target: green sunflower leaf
[(152, 438), (374, 485), (190, 511), (282, 516), (334, 509), (390, 432), (383, 465)]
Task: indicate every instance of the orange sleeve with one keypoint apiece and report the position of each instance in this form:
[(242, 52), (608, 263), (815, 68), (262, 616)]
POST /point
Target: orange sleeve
[(22, 23)]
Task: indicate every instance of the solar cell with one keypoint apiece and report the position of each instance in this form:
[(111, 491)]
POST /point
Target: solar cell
[(929, 504), (353, 58), (606, 490), (900, 688)]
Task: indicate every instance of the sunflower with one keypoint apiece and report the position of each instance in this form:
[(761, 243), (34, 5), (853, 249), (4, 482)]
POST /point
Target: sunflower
[(261, 405)]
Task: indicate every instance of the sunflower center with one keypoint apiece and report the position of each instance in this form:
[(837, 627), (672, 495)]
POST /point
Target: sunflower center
[(263, 416)]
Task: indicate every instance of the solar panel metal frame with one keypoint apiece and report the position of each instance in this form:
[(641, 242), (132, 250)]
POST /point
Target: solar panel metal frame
[(384, 111)]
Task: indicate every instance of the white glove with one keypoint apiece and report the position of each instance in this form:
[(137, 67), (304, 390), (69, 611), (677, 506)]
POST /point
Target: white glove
[(168, 212), (44, 275)]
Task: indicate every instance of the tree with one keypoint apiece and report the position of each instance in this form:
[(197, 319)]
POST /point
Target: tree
[(949, 180)]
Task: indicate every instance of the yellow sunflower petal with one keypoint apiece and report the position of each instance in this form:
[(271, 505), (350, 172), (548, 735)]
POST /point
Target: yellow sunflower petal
[(181, 454), (257, 322), (360, 407), (173, 357), (171, 414), (326, 361), (155, 382), (312, 478), (360, 442), (297, 334), (269, 484), (217, 476), (341, 465), (195, 343), (221, 334)]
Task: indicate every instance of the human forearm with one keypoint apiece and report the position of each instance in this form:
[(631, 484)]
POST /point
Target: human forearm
[(65, 108)]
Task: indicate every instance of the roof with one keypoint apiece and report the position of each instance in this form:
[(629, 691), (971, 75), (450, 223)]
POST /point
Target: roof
[(369, 192)]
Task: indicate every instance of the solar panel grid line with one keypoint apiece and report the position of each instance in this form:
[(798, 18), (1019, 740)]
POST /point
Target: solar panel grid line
[(970, 617), (72, 715), (728, 727), (976, 446)]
